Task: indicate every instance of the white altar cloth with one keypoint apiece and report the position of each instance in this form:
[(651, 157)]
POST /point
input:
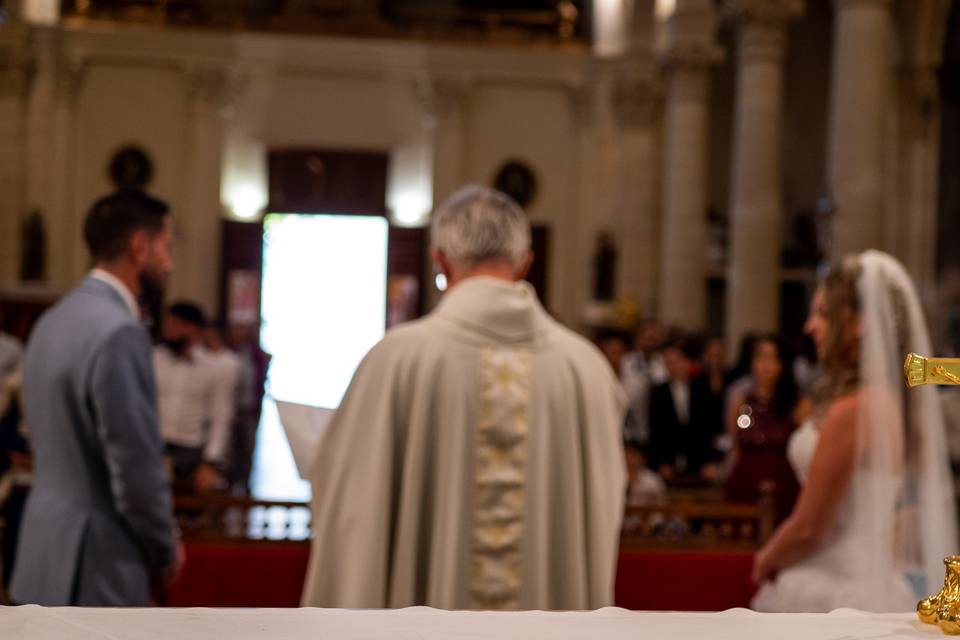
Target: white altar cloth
[(37, 623)]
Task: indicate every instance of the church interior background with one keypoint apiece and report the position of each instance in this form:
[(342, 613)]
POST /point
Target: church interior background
[(695, 161)]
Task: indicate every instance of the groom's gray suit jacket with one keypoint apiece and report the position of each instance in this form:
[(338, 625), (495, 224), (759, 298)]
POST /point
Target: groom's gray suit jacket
[(99, 526)]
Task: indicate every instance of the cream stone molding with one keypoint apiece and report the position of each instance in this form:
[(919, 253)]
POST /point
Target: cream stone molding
[(214, 87), (442, 96)]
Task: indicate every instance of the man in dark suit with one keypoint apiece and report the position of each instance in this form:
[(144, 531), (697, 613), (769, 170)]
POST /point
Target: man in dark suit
[(99, 528), (681, 432)]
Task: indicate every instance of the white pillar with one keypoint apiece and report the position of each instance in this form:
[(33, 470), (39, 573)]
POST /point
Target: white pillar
[(753, 284), (635, 101), (861, 68), (212, 91), (914, 218), (68, 258), (14, 84), (691, 51), (443, 103)]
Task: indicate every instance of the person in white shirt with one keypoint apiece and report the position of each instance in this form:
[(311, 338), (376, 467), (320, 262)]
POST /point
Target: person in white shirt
[(641, 371), (232, 377), (196, 401), (644, 487)]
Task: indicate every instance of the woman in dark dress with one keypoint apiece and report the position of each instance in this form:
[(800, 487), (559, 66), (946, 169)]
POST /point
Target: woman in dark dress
[(764, 418)]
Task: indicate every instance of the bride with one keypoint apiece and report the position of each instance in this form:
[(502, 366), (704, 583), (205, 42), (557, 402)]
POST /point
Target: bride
[(876, 515)]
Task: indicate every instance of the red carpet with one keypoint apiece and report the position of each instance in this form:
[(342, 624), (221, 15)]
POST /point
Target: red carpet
[(272, 575)]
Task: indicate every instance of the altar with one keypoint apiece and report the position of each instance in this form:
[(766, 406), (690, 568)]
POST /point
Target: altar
[(37, 623)]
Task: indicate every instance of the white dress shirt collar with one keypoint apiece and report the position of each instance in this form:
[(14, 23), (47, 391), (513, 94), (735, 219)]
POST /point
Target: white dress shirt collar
[(680, 390), (125, 294)]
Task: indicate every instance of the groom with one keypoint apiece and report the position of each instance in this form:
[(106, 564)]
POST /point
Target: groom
[(98, 528)]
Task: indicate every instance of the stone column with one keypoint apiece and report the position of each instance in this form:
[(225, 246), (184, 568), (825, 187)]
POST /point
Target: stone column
[(861, 66), (594, 199), (690, 52), (443, 102), (67, 254), (917, 223), (635, 102), (753, 283), (14, 85), (212, 92)]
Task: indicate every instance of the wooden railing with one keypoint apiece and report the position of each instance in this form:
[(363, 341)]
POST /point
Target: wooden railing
[(680, 524), (698, 524), (228, 519)]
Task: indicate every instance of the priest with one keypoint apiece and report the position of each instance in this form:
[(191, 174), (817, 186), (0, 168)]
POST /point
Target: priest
[(476, 461)]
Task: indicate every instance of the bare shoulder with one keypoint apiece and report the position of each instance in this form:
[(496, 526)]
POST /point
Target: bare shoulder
[(840, 421)]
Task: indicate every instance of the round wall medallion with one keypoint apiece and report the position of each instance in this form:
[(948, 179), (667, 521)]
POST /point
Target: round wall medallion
[(131, 168), (516, 179)]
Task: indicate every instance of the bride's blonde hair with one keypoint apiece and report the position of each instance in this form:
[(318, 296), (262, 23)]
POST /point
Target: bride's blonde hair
[(841, 356)]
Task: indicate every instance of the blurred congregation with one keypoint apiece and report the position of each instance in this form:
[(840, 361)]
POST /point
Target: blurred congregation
[(563, 305)]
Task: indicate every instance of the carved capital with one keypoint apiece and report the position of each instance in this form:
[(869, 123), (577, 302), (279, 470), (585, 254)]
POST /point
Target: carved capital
[(773, 12), (691, 36), (17, 69), (214, 88), (761, 27), (70, 74), (850, 4), (582, 101), (688, 84), (635, 102)]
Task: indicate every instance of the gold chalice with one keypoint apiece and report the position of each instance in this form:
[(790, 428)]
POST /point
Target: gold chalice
[(919, 371), (943, 609)]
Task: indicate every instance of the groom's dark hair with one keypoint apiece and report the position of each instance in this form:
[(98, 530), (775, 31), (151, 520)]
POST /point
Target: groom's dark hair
[(113, 219)]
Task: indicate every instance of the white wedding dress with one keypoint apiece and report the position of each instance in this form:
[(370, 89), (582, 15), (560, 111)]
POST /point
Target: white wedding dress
[(829, 578), (897, 521)]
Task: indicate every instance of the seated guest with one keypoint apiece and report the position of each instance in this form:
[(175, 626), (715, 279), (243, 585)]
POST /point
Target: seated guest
[(244, 341), (616, 344), (10, 353), (740, 378), (681, 432), (642, 370), (195, 400), (14, 460), (766, 417), (232, 375), (716, 376), (476, 461), (644, 487)]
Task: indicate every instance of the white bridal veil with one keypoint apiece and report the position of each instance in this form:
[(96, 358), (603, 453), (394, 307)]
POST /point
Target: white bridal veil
[(902, 494)]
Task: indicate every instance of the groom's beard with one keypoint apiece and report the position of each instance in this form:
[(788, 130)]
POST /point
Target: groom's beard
[(152, 289)]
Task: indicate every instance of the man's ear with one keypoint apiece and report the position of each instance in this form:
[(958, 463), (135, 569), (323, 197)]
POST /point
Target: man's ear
[(138, 247), (524, 270), (441, 261)]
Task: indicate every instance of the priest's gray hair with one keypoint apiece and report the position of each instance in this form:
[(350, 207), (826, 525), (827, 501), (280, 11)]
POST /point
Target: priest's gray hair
[(477, 225)]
